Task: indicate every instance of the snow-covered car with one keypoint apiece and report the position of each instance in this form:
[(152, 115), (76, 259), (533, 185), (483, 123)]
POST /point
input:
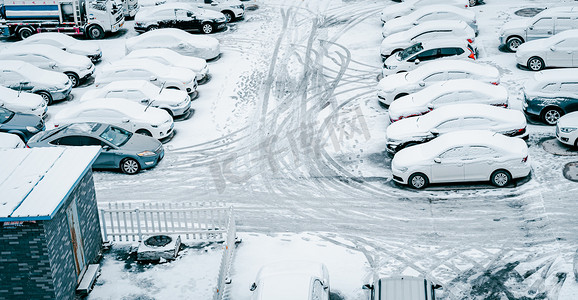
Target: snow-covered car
[(149, 3), (430, 13), (293, 280), (120, 148), (23, 125), (10, 141), (123, 113), (545, 24), (232, 9), (462, 156), (150, 70), (76, 67), (449, 118), (178, 40), (424, 32), (401, 287), (398, 85), (179, 15), (445, 93), (550, 94), (401, 9), (174, 59), (22, 76), (423, 52), (65, 42), (560, 50), (250, 4), (567, 129), (23, 102), (175, 102)]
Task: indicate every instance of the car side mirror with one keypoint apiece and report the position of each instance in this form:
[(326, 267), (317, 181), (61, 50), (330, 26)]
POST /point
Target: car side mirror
[(24, 82), (422, 84), (367, 287), (416, 61), (253, 287), (153, 78), (531, 27), (53, 65), (125, 120), (415, 23), (189, 14), (437, 287), (106, 147), (434, 131), (553, 48), (438, 160), (144, 101)]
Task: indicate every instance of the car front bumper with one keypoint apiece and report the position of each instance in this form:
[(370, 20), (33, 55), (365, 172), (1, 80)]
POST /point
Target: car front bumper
[(181, 110), (566, 138), (61, 94)]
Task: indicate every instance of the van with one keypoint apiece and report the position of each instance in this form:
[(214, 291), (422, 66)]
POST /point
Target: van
[(545, 24), (401, 288)]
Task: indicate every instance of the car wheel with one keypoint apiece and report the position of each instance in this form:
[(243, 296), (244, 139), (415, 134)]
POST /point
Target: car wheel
[(513, 43), (73, 78), (24, 32), (169, 111), (95, 32), (152, 27), (501, 178), (144, 132), (551, 115), (229, 16), (46, 96), (399, 96), (473, 2), (207, 28), (129, 166), (535, 64), (418, 181)]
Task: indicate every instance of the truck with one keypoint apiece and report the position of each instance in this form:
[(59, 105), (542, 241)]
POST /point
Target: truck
[(22, 18), (129, 7)]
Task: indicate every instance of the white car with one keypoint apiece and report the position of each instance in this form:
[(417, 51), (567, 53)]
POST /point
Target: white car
[(65, 42), (567, 129), (175, 102), (560, 50), (174, 59), (398, 85), (422, 52), (430, 13), (417, 130), (150, 70), (445, 93), (462, 156), (123, 113), (250, 4), (292, 280), (76, 67), (23, 102), (426, 31), (178, 40), (232, 9), (10, 141), (22, 76), (401, 9), (545, 24)]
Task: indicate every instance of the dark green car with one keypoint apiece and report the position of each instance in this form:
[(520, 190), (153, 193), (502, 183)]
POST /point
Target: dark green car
[(23, 125)]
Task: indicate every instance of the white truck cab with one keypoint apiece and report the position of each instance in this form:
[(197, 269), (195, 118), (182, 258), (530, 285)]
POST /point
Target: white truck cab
[(401, 288), (232, 9)]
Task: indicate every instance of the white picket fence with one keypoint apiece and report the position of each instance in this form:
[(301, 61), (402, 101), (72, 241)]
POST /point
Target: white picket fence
[(126, 222)]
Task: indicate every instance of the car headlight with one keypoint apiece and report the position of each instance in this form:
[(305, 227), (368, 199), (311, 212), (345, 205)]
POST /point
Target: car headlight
[(390, 67), (88, 66), (567, 129), (146, 153), (32, 129)]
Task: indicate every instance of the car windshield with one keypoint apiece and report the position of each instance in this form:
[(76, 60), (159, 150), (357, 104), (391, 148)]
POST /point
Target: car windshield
[(5, 115), (115, 135), (409, 51)]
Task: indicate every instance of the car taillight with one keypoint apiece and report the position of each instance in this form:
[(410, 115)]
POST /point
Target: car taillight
[(525, 159), (27, 146), (472, 54), (495, 83), (55, 125), (470, 41)]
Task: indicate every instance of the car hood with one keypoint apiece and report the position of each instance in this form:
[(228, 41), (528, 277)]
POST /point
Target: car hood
[(25, 120), (181, 74), (411, 156), (569, 120), (211, 14), (403, 129), (405, 105), (47, 78), (395, 10), (84, 49), (394, 39), (391, 82), (139, 142), (155, 116), (171, 96), (532, 46), (514, 25), (395, 25)]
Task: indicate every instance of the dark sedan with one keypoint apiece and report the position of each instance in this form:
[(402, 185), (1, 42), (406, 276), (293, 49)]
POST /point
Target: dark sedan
[(23, 125), (181, 16), (120, 148)]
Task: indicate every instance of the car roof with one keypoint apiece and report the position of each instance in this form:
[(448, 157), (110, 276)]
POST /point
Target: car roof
[(141, 63), (460, 85), (443, 42), (123, 106), (557, 9), (128, 84), (48, 50), (440, 7), (472, 137), (473, 110), (61, 37), (83, 127), (455, 65), (174, 5), (436, 24), (558, 75)]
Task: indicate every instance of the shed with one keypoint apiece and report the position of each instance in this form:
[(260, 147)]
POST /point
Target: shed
[(49, 227)]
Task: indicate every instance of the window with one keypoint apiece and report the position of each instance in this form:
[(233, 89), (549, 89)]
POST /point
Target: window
[(140, 73), (428, 55), (115, 94), (550, 87), (77, 140), (449, 124), (457, 75), (115, 135), (428, 16), (568, 44), (5, 115), (182, 14), (544, 24), (10, 76), (444, 99), (480, 152), (435, 77), (135, 95), (569, 87), (453, 153), (564, 23), (476, 123), (451, 51)]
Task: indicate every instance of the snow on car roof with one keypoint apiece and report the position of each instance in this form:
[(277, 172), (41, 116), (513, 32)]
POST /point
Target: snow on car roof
[(471, 137), (435, 24), (123, 106), (453, 65), (457, 85), (441, 42), (65, 39), (557, 75), (179, 33), (35, 182), (439, 8), (144, 63), (31, 71), (48, 50), (472, 110), (132, 84), (9, 140)]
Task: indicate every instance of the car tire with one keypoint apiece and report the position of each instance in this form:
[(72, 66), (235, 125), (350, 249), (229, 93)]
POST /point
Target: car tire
[(207, 28), (46, 96), (169, 112), (74, 79), (129, 166), (501, 178), (144, 132), (399, 96), (24, 32), (535, 64), (229, 15), (473, 2), (551, 115), (513, 43), (152, 27), (418, 181), (95, 32)]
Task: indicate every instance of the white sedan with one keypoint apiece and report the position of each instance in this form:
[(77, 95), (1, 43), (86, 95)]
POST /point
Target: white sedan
[(23, 102), (426, 31), (560, 50), (123, 113), (445, 93), (567, 129), (174, 59), (178, 40), (65, 42), (292, 280), (417, 130), (430, 13), (398, 85), (175, 102), (76, 67), (401, 9), (10, 141), (462, 156)]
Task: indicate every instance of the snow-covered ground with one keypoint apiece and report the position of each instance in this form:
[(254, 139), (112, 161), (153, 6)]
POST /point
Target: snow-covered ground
[(290, 132)]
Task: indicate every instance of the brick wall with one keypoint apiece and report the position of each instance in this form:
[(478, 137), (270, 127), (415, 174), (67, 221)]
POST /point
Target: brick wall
[(89, 222)]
